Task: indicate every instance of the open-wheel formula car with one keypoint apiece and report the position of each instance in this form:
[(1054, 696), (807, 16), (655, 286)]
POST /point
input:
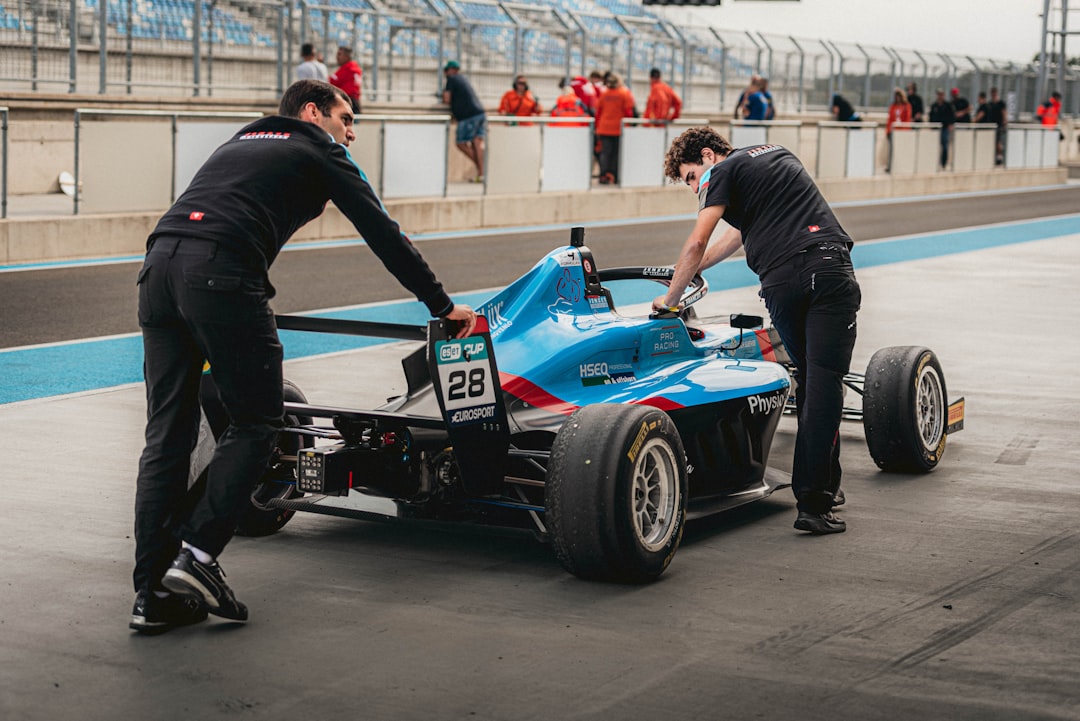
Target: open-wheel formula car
[(600, 432)]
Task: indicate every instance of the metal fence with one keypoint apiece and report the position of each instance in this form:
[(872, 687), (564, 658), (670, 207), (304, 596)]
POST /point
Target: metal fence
[(248, 48)]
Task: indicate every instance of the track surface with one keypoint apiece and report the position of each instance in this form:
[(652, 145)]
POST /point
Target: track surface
[(953, 595), (44, 306)]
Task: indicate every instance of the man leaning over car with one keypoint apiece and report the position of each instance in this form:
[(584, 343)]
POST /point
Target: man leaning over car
[(204, 293), (800, 254)]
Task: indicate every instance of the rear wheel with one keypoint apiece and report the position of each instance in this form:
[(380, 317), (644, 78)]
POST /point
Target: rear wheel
[(279, 480), (905, 410), (615, 493)]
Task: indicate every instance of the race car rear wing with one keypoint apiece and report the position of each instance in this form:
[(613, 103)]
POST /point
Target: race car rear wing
[(466, 383)]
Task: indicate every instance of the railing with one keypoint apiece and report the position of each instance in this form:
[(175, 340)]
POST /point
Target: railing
[(241, 49), (3, 161)]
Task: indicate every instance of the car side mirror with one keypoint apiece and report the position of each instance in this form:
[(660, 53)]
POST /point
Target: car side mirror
[(746, 322)]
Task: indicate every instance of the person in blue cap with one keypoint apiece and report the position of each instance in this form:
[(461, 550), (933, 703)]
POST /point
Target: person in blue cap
[(471, 119)]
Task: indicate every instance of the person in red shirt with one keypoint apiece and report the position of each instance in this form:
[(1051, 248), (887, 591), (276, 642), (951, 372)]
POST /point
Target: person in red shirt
[(616, 103), (899, 112), (663, 103), (519, 100), (347, 76), (585, 92)]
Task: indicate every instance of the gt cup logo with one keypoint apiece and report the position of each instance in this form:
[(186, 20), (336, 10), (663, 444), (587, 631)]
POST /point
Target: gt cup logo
[(766, 404), (450, 352)]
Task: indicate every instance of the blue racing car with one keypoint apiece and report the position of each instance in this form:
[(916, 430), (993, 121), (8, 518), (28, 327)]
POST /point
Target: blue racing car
[(600, 432)]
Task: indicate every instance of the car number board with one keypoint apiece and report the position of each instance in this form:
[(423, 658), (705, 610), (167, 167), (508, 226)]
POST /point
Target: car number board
[(467, 386)]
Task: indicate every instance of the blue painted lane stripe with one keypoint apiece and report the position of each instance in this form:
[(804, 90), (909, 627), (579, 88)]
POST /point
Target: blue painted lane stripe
[(56, 369)]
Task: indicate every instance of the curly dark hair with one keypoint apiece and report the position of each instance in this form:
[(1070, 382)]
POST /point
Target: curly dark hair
[(687, 149), (302, 92)]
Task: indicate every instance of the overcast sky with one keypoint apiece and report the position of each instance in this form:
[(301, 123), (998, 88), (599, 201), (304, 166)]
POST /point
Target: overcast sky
[(998, 29)]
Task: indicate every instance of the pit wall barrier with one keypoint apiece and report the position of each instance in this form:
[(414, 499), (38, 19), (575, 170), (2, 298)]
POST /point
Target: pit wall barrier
[(1032, 146), (141, 160), (537, 155), (520, 188)]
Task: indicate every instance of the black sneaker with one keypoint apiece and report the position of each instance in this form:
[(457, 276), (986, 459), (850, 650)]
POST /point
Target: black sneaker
[(152, 614), (819, 524), (838, 498), (204, 582)]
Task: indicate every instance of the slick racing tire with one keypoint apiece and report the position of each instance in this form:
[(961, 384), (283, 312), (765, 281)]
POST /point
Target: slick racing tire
[(615, 494), (905, 409), (279, 480)]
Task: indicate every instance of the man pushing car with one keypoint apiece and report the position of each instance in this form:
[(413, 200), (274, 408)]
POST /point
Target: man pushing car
[(800, 253), (204, 294)]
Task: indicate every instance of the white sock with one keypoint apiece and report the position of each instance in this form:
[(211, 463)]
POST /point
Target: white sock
[(200, 555)]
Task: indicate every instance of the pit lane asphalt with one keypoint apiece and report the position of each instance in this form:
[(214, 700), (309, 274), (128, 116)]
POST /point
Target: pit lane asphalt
[(952, 596), (60, 304)]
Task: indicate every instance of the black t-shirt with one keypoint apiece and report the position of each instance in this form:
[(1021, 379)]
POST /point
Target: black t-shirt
[(962, 110), (844, 110), (942, 113), (916, 105), (768, 195), (271, 178), (463, 101), (995, 112)]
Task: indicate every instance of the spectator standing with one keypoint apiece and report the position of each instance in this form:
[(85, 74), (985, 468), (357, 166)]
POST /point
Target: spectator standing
[(585, 92), (998, 114), (471, 119), (616, 103), (347, 76), (800, 253), (843, 111), (519, 100), (916, 102), (596, 79), (203, 294), (663, 105), (751, 87), (755, 106), (961, 107), (899, 112), (770, 109), (1050, 111), (310, 68), (569, 105), (942, 112), (980, 109)]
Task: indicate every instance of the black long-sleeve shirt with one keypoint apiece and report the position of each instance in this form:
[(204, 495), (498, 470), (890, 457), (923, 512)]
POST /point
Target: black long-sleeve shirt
[(276, 174)]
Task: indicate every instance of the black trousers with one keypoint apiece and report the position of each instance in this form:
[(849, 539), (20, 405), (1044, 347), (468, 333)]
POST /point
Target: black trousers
[(198, 304), (609, 155), (813, 299)]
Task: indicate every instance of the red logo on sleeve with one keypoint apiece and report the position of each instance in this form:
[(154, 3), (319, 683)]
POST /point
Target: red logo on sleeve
[(196, 215), (814, 228)]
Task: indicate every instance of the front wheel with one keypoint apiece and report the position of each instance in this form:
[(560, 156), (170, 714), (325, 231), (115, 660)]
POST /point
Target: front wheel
[(615, 493), (905, 412)]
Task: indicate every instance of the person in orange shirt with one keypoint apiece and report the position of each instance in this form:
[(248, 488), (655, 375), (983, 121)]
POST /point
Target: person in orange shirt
[(569, 105), (616, 103), (519, 100), (899, 112), (663, 103), (1050, 110)]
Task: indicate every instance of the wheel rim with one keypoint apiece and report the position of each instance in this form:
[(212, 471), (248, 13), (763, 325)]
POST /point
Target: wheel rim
[(929, 408), (655, 494)]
